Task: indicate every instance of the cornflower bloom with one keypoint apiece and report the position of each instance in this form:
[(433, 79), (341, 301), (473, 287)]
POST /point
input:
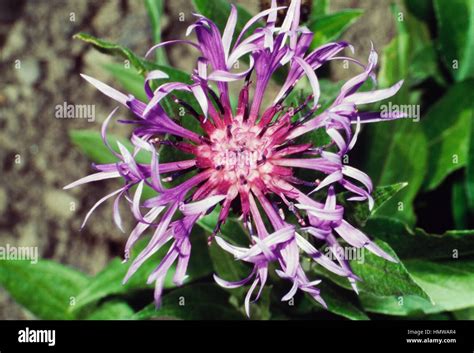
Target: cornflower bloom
[(248, 160)]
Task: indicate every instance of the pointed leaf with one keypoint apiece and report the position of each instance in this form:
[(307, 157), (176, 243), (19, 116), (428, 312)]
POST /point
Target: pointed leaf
[(195, 302), (46, 288), (330, 27), (418, 244)]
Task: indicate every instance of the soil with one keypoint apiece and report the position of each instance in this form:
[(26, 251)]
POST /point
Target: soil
[(40, 65)]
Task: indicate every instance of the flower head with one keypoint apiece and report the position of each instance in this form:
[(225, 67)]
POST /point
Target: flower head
[(247, 160)]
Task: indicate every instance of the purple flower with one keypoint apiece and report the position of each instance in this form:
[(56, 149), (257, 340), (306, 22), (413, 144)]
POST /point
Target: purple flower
[(247, 160)]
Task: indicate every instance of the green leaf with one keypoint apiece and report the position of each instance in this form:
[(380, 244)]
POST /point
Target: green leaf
[(449, 283), (456, 36), (133, 81), (447, 127), (174, 74), (336, 300), (329, 92), (389, 157), (422, 9), (155, 12), (418, 244), (319, 8), (260, 309), (379, 276), (109, 281), (46, 288), (459, 204), (338, 304), (232, 230), (330, 27), (130, 80), (470, 167), (91, 144), (218, 11), (112, 310), (464, 314), (194, 302), (141, 65), (115, 49), (403, 305), (224, 264), (358, 213), (424, 65)]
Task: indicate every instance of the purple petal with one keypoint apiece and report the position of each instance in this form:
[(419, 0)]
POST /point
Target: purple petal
[(141, 227), (374, 96), (176, 41), (231, 285), (229, 30), (201, 98), (358, 175), (201, 206), (93, 177), (107, 90), (98, 203), (313, 80), (116, 211), (256, 18), (183, 260), (103, 133), (248, 296)]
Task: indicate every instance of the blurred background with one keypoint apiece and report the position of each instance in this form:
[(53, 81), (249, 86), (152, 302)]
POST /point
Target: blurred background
[(38, 157)]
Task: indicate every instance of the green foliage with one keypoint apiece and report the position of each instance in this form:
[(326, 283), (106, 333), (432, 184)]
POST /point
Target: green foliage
[(155, 11), (423, 9), (112, 310), (218, 11), (329, 27), (459, 205), (470, 166), (90, 143), (194, 302), (448, 283), (424, 65), (338, 303), (109, 281), (379, 276), (47, 289), (417, 243), (225, 266), (447, 127), (130, 80), (358, 212), (390, 158), (319, 8), (456, 36), (141, 65)]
